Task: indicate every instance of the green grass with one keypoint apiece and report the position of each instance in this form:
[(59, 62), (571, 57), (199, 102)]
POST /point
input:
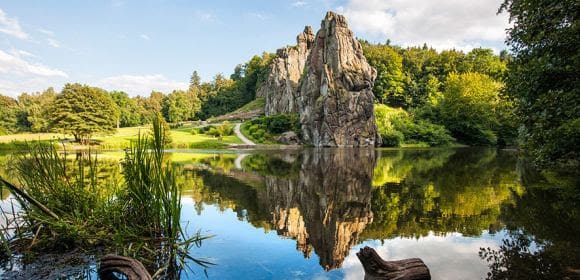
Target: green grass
[(31, 137), (182, 139), (256, 104)]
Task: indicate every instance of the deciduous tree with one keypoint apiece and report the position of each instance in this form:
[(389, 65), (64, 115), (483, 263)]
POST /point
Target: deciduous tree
[(83, 111)]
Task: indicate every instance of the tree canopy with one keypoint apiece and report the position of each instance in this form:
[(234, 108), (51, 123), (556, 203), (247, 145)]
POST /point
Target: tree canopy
[(83, 111), (544, 77)]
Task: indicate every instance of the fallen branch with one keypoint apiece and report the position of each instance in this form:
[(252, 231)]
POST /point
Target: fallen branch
[(28, 198)]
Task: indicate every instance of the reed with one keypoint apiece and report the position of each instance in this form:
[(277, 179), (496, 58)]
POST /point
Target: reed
[(65, 204)]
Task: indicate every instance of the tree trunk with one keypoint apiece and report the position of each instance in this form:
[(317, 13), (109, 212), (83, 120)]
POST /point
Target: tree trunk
[(379, 269)]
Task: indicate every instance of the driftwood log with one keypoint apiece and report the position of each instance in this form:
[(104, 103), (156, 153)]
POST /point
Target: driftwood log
[(129, 267), (377, 268)]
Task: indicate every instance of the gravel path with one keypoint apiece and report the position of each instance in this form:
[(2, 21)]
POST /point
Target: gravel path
[(241, 136)]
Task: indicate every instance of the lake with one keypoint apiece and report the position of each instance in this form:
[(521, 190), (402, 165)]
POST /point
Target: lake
[(303, 214)]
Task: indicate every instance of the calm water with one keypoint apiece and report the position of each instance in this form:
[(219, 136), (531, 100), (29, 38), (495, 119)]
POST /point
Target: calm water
[(304, 214)]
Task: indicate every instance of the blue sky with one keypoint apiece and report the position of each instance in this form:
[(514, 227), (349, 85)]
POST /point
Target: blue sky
[(139, 46)]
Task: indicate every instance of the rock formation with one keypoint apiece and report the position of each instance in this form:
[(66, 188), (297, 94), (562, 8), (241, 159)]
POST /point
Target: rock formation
[(280, 88), (335, 99)]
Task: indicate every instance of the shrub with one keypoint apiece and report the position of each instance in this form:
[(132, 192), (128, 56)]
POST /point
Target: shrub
[(392, 138), (263, 129), (397, 126)]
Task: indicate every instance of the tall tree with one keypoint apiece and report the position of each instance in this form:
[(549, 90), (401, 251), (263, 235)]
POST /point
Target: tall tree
[(389, 84), (83, 111), (8, 115), (195, 80), (544, 77), (36, 109), (468, 107), (177, 107), (129, 113)]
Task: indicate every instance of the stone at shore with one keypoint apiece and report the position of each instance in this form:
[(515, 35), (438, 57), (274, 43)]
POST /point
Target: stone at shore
[(335, 99)]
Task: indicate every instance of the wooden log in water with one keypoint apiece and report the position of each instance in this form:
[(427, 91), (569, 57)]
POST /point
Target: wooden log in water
[(129, 267), (378, 269)]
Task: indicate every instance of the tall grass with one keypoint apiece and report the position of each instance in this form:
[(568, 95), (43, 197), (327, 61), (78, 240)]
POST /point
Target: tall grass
[(67, 204)]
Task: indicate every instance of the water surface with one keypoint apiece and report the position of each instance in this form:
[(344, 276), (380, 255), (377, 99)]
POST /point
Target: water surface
[(303, 214)]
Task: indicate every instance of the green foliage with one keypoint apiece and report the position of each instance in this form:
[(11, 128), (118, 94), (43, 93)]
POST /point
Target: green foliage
[(543, 77), (35, 110), (389, 84), (410, 77), (178, 106), (129, 112), (8, 115), (226, 95), (468, 108), (483, 61), (82, 111), (396, 127), (263, 129)]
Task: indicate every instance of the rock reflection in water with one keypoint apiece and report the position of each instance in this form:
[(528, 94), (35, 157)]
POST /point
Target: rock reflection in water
[(327, 205)]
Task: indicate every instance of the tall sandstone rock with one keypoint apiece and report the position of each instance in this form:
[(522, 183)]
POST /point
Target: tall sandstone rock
[(335, 99), (280, 88)]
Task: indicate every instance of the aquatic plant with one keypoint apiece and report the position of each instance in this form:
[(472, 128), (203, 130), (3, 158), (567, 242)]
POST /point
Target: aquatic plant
[(66, 204)]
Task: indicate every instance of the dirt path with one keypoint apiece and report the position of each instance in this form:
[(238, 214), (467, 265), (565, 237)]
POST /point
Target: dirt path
[(241, 136)]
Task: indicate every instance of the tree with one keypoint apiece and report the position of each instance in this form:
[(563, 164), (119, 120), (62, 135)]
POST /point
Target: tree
[(483, 61), (129, 114), (83, 111), (468, 107), (8, 115), (177, 107), (194, 81), (389, 84), (544, 77), (36, 109)]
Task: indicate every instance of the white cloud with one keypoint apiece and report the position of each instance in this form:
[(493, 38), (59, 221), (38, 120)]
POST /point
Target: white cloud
[(442, 24), (20, 53), (259, 16), (46, 32), (19, 74), (205, 16), (16, 65), (460, 260), (141, 84), (299, 3), (145, 37), (11, 26), (53, 43)]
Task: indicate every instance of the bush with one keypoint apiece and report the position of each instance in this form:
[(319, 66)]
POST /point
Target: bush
[(262, 130), (397, 126), (392, 138)]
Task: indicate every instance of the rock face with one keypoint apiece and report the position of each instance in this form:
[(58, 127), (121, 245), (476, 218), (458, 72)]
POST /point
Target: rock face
[(285, 71), (335, 99)]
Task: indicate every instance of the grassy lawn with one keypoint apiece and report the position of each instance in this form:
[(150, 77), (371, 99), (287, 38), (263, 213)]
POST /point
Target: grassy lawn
[(182, 139), (31, 137)]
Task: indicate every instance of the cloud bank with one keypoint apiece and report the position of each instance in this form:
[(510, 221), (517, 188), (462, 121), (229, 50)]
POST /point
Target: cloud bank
[(443, 24)]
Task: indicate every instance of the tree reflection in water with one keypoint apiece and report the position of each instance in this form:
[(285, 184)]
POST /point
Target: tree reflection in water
[(329, 200)]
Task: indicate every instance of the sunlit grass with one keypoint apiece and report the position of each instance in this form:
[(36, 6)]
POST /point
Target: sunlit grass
[(182, 139)]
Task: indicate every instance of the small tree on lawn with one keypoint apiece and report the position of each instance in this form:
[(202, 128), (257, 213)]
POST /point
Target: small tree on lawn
[(83, 111)]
